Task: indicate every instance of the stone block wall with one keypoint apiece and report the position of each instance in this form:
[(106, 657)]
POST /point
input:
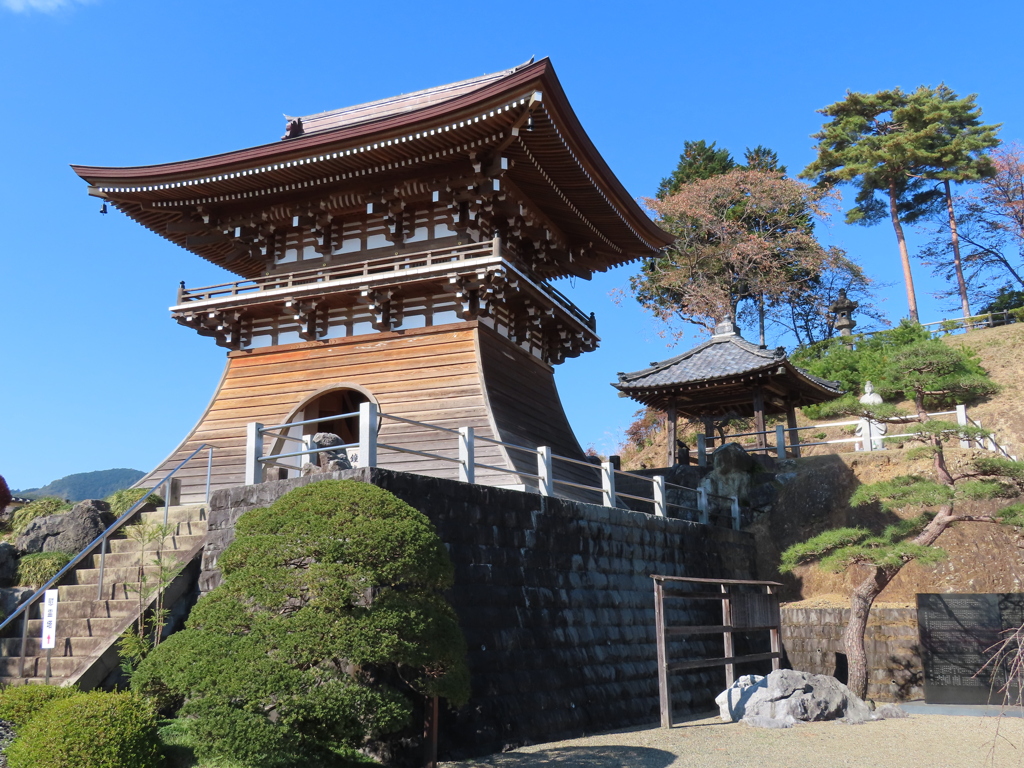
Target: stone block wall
[(812, 638), (555, 600)]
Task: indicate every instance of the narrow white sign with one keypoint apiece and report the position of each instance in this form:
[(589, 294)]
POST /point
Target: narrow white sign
[(49, 619)]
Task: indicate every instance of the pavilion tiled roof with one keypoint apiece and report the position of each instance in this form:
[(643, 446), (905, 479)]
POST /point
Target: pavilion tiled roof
[(723, 359)]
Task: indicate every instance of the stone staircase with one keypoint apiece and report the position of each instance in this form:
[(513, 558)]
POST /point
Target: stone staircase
[(89, 625)]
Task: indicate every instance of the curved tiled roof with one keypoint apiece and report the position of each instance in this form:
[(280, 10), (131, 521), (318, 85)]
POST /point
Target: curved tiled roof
[(723, 359)]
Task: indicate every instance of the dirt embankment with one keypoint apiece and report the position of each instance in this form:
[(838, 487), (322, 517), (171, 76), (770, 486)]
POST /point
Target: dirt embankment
[(982, 557)]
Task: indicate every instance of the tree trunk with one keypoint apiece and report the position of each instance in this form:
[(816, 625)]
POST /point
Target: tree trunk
[(957, 264), (908, 278), (853, 638), (760, 317)]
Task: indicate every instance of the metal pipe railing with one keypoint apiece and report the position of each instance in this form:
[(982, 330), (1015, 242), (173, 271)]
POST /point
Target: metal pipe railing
[(101, 541)]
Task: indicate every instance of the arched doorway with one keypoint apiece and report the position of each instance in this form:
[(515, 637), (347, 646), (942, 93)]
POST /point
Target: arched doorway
[(342, 403), (332, 409)]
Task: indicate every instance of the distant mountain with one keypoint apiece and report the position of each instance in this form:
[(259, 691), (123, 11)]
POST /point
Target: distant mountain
[(86, 485)]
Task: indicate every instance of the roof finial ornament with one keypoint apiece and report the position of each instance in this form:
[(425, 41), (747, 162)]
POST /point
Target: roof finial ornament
[(294, 128), (726, 326)]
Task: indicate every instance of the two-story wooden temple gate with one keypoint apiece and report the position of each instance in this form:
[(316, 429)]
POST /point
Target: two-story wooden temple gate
[(399, 252)]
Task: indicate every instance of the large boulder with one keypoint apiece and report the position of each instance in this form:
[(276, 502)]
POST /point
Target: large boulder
[(12, 597), (786, 697), (68, 532), (8, 564)]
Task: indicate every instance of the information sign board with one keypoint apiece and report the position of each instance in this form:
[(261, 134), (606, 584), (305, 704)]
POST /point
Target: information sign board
[(49, 636)]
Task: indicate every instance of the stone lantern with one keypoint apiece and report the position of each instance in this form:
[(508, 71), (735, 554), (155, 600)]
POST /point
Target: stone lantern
[(843, 310)]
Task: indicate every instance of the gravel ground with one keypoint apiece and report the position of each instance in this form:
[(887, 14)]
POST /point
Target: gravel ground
[(929, 741)]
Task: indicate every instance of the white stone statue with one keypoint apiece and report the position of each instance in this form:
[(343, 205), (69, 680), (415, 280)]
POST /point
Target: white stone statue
[(871, 431)]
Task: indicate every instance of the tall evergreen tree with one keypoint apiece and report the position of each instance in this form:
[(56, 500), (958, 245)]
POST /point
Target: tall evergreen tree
[(868, 141), (699, 160), (955, 152)]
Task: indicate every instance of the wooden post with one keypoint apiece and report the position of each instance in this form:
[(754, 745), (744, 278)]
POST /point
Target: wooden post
[(467, 458), (759, 416), (729, 649), (658, 490), (545, 480), (776, 643), (608, 484), (671, 430), (794, 435), (664, 697), (253, 453)]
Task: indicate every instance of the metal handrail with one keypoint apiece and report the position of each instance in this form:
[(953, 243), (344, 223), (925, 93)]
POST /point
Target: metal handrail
[(507, 445), (311, 421), (417, 423), (86, 552)]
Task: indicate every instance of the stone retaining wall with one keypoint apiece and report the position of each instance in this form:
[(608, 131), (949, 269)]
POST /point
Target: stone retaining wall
[(556, 602), (812, 638)]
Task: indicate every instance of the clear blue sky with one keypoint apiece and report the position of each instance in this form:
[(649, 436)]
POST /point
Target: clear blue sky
[(94, 373)]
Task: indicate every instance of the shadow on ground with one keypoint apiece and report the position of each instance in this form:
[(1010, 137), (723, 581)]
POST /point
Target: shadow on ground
[(581, 757)]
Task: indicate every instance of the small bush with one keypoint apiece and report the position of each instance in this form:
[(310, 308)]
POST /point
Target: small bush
[(20, 703), (35, 570), (48, 505), (95, 729), (121, 501)]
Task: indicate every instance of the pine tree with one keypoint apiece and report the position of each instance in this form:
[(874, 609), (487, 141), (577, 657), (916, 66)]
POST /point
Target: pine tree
[(955, 152), (867, 141), (928, 372)]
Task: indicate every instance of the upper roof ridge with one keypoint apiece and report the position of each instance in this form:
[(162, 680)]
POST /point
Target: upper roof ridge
[(405, 102)]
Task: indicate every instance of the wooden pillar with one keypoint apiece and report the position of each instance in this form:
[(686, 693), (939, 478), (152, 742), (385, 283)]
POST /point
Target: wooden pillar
[(759, 415), (671, 431), (794, 436)]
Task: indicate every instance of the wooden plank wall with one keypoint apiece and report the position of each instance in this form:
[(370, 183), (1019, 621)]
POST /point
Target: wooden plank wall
[(462, 374), (527, 411)]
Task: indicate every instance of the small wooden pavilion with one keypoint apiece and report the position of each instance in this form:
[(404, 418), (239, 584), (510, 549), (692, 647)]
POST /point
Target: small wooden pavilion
[(726, 376)]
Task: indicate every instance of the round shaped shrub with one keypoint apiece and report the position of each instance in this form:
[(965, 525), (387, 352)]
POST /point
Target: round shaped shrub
[(331, 609), (48, 505), (19, 703), (96, 729)]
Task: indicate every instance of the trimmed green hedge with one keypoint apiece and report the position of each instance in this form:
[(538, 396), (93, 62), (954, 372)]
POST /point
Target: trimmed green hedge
[(20, 703), (330, 611), (91, 730)]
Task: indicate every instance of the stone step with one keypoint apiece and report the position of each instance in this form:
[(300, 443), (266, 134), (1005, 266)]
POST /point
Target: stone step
[(112, 591), (130, 555), (176, 514), (6, 682), (35, 666), (79, 647), (100, 627), (121, 573), (87, 609), (184, 531)]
